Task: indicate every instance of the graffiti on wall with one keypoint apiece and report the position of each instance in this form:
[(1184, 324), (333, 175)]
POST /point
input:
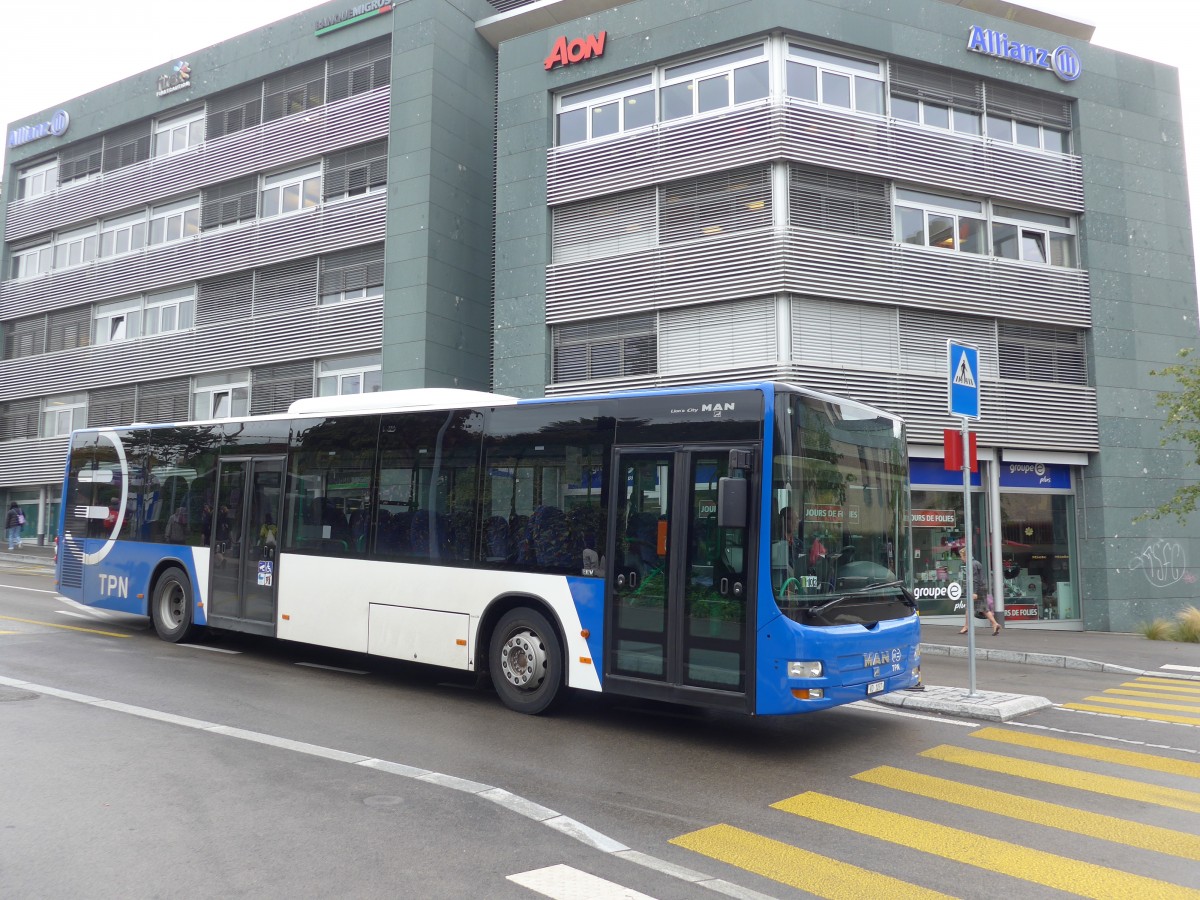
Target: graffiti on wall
[(1164, 563)]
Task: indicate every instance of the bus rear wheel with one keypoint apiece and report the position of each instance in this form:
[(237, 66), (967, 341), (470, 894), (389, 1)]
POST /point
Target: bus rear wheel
[(526, 662), (171, 607)]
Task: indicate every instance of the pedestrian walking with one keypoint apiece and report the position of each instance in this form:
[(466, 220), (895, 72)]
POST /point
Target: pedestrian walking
[(982, 604), (13, 523)]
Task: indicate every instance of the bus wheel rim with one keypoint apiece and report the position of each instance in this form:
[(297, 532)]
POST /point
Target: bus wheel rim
[(172, 605), (523, 660)]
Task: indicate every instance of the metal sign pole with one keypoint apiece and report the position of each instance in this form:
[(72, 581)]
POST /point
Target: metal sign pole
[(969, 587)]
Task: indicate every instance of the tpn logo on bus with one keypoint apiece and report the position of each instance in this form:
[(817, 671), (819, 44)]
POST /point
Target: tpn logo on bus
[(177, 79), (577, 50), (1062, 61), (354, 15), (55, 126)]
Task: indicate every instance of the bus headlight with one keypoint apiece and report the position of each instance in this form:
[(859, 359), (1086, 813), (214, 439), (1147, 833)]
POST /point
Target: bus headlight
[(805, 668)]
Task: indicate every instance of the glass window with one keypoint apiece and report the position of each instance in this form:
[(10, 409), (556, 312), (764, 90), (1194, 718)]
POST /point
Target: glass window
[(122, 235), (38, 179), (329, 487), (62, 415), (625, 105), (908, 110), (175, 221), (939, 221), (221, 395), (937, 116), (31, 262), (715, 82), (289, 192), (966, 122), (120, 320), (428, 485), (544, 489), (350, 375), (1000, 128), (1029, 135), (844, 81), (1036, 237), (179, 133), (76, 247), (1056, 141), (1037, 560), (169, 311)]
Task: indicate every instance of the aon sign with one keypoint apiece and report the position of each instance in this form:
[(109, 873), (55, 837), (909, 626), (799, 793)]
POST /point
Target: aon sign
[(576, 50)]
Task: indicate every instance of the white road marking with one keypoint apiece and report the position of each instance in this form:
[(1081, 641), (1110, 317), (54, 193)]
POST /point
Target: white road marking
[(209, 649), (1101, 737), (567, 883), (1175, 668), (17, 587), (552, 819)]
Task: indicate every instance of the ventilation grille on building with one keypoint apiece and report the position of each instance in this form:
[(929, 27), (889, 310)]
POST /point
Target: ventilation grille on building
[(609, 348), (935, 85), (717, 336), (285, 287), (606, 226), (839, 201), (274, 388), (126, 146), (1042, 353), (112, 406)]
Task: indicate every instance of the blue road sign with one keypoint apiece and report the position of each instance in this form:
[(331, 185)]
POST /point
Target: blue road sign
[(962, 382)]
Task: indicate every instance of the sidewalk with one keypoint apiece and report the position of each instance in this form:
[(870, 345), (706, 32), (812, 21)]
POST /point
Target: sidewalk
[(29, 554), (1094, 651)]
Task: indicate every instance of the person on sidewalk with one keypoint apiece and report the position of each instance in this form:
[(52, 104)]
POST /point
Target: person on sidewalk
[(12, 525), (982, 604)]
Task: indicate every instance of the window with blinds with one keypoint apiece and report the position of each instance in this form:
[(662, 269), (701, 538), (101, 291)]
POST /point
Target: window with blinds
[(274, 388), (358, 170), (923, 336), (606, 226), (839, 201), (164, 401), (126, 146), (25, 337), (68, 328), (294, 91), (225, 299), (351, 274), (80, 160), (112, 406), (844, 335), (229, 203), (19, 419), (604, 349), (715, 204), (1042, 353), (359, 69), (717, 336), (284, 287), (233, 111)]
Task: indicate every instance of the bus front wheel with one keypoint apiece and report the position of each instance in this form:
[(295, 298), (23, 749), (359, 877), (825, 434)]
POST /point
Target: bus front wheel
[(171, 608), (526, 664)]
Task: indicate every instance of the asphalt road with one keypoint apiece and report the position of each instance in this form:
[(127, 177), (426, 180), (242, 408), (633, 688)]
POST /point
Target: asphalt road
[(243, 767)]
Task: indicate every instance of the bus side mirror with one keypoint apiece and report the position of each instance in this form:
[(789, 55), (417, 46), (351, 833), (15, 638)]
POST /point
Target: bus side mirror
[(732, 502)]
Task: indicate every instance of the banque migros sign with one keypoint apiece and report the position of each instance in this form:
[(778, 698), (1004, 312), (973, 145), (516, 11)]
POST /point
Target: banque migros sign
[(1063, 61)]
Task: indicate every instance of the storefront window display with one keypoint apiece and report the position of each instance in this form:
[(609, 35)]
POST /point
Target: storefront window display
[(937, 519), (1037, 578), (1037, 537)]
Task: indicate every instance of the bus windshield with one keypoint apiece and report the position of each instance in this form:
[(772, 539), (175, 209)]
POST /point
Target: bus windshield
[(839, 515)]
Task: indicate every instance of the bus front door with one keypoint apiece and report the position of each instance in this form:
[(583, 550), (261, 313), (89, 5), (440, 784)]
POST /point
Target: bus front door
[(678, 585), (244, 543)]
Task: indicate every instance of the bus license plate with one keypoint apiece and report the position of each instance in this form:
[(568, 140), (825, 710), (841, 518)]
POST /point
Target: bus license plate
[(874, 687)]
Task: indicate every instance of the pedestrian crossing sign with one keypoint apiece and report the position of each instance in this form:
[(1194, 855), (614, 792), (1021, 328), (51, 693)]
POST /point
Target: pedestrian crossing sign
[(962, 379)]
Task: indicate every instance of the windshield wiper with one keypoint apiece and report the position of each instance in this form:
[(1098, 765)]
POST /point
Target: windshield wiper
[(820, 610)]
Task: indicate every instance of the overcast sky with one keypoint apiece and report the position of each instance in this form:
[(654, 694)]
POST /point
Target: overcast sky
[(51, 57)]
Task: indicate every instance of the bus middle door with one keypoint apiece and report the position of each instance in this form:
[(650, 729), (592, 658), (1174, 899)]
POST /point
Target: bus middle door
[(244, 541)]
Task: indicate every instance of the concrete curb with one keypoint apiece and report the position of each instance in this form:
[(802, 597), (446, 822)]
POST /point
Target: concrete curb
[(990, 706), (1053, 660)]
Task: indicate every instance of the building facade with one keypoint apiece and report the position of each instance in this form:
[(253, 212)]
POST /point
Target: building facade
[(584, 195)]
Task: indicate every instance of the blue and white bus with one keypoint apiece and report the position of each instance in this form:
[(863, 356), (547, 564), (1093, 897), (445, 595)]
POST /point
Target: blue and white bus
[(740, 546)]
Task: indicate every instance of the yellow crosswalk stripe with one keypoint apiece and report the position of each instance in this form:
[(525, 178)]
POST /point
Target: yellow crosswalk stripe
[(1142, 704), (1079, 749), (801, 869), (1024, 809), (1168, 684), (1124, 788), (1036, 866), (1134, 714), (1157, 695)]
